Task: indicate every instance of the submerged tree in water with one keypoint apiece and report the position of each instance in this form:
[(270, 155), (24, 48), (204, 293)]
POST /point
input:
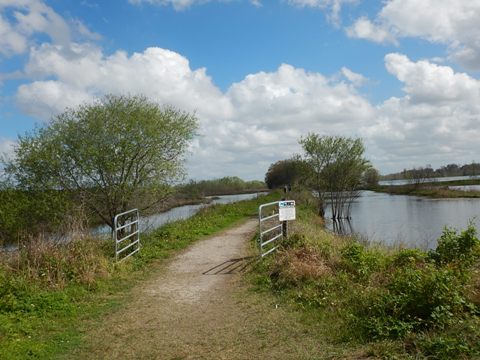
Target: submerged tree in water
[(336, 166)]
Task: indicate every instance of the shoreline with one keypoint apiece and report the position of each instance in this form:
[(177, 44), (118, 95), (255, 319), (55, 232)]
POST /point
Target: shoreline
[(437, 189)]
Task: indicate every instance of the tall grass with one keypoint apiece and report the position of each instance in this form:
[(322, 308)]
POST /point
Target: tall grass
[(390, 303)]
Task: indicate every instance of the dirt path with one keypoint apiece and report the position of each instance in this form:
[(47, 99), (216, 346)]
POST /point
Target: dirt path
[(197, 307)]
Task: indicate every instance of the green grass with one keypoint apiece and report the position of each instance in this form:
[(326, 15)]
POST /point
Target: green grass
[(377, 301), (49, 297)]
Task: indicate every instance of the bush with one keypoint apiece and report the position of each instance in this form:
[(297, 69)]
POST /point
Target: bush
[(359, 261), (461, 249), (415, 299), (459, 342)]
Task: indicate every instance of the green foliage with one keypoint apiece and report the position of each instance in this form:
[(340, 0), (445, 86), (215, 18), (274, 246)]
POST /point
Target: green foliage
[(371, 177), (223, 186), (460, 248), (336, 167), (398, 303), (413, 300), (460, 341), (286, 172), (117, 153), (409, 258), (359, 261), (27, 212)]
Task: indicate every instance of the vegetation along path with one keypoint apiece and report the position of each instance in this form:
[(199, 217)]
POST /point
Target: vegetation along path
[(197, 307)]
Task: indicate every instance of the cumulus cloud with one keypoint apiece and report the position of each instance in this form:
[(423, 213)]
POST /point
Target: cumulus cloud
[(428, 82), (363, 28), (355, 78), (437, 121), (30, 17), (257, 120), (453, 23), (160, 74)]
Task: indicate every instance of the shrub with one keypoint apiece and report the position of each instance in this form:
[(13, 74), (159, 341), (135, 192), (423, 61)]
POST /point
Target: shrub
[(458, 342), (359, 261), (415, 299), (409, 257), (461, 249)]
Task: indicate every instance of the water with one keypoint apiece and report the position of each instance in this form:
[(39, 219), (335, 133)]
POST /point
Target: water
[(438, 179), (407, 220), (466, 187), (152, 222)]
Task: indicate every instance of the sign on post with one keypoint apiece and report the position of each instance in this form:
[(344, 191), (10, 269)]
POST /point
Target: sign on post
[(286, 210)]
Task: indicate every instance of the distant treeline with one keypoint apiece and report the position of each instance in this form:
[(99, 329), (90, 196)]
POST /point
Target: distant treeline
[(472, 169), (223, 186)]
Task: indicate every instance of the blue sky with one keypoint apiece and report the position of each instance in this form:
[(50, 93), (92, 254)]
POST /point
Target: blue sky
[(403, 75)]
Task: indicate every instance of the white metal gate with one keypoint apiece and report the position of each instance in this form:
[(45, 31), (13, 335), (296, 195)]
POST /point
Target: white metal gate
[(126, 234), (270, 228)]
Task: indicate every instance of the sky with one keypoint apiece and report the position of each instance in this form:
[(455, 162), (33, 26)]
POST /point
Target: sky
[(403, 75)]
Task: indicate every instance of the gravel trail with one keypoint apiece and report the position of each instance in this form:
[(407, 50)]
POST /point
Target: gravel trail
[(198, 307)]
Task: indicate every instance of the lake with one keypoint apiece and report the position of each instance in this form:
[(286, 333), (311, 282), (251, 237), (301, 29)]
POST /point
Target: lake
[(407, 220)]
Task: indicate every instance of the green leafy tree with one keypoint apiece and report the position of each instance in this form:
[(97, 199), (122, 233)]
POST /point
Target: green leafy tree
[(116, 153), (336, 167), (371, 177), (284, 172)]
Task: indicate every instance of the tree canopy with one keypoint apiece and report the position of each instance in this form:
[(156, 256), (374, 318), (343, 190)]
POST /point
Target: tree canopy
[(284, 172), (336, 167), (116, 153)]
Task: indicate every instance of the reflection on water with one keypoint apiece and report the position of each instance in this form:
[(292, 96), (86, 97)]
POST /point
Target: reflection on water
[(342, 226), (407, 220)]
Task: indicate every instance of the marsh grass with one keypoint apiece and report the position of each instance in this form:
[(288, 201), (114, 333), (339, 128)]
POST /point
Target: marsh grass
[(379, 301)]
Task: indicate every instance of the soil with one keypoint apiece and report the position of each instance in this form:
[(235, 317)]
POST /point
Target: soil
[(198, 306)]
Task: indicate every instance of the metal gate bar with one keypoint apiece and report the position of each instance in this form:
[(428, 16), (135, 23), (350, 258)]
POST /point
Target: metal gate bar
[(269, 235), (127, 223)]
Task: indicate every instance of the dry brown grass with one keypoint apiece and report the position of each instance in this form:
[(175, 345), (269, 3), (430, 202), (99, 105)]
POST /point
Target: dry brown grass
[(73, 257), (55, 265), (301, 265)]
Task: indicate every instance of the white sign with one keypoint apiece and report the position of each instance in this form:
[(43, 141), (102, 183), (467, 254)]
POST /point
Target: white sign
[(286, 210)]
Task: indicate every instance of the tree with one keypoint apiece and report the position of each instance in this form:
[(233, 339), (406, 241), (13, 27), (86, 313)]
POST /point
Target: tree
[(421, 175), (116, 153), (336, 167), (284, 172), (371, 177)]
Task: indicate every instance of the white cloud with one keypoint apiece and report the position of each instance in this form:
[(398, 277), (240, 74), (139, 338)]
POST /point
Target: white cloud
[(437, 121), (258, 119), (427, 82), (453, 23), (177, 4), (365, 29), (180, 5), (160, 74), (6, 148), (30, 17), (355, 78), (333, 6)]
